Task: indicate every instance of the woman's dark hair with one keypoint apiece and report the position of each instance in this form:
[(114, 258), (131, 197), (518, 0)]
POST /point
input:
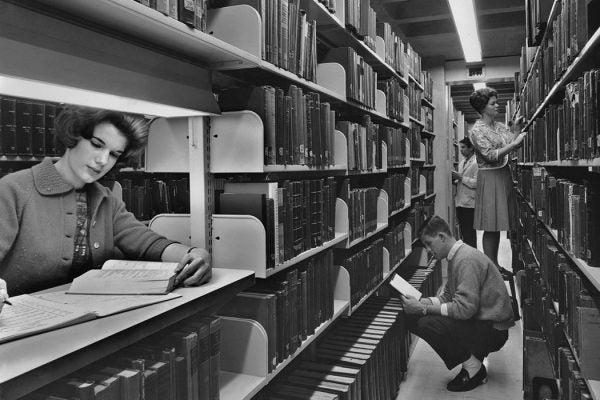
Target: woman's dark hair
[(434, 225), (76, 122), (466, 141), (480, 98)]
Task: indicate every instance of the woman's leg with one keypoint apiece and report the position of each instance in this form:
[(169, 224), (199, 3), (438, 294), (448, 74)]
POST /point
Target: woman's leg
[(491, 242)]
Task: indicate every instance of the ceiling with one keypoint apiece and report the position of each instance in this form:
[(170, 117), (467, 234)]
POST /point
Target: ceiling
[(429, 27)]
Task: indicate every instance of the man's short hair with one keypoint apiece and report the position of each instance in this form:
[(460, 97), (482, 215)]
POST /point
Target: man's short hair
[(433, 226), (466, 141)]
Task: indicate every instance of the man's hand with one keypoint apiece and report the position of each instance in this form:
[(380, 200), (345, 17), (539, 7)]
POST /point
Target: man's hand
[(194, 268), (412, 305), (456, 176)]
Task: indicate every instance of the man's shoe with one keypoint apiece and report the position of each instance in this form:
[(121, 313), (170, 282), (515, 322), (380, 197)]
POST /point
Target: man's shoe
[(462, 382)]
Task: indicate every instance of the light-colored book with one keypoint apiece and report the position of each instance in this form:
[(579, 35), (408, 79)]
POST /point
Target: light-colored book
[(405, 288), (127, 277)]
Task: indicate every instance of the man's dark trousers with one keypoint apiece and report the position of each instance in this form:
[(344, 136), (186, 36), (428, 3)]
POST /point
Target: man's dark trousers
[(455, 340)]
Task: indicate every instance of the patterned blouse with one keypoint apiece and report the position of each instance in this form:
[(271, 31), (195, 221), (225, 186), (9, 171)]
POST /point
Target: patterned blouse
[(487, 140)]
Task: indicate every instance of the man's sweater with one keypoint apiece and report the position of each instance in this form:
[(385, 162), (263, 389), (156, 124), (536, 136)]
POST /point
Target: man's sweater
[(475, 289)]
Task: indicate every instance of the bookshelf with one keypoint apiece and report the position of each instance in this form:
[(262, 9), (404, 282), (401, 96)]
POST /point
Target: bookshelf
[(561, 66), (184, 66), (40, 359)]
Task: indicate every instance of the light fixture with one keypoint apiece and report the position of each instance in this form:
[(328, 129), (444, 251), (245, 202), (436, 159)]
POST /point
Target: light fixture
[(478, 85), (463, 12), (43, 91)]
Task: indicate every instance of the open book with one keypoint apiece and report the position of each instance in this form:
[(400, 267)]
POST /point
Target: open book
[(405, 288), (127, 277), (33, 314)]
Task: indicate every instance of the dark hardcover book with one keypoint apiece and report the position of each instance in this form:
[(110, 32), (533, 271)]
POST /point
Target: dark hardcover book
[(49, 115), (24, 118), (215, 355), (290, 391), (187, 12), (38, 129), (9, 126), (202, 329)]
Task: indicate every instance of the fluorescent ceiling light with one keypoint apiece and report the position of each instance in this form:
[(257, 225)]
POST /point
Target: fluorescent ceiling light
[(463, 12), (43, 91), (479, 85)]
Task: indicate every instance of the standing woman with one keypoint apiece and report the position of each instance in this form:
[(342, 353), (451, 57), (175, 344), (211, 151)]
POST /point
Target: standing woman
[(495, 202), (59, 222)]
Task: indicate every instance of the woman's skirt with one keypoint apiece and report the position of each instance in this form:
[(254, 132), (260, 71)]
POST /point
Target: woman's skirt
[(495, 202)]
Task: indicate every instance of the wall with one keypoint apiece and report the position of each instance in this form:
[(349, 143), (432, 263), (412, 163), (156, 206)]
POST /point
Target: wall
[(500, 67)]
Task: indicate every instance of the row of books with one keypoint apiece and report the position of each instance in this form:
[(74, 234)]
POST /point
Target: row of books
[(362, 212), (415, 94), (571, 29), (298, 127), (578, 303), (428, 142), (365, 268), (393, 185), (396, 240), (361, 78), (289, 35), (395, 96), (394, 52), (538, 12), (364, 144), (415, 180), (182, 362), (568, 207), (427, 82), (428, 173), (362, 357), (414, 135), (361, 21), (541, 315), (395, 138), (297, 215), (289, 306), (418, 214), (191, 13), (27, 127), (569, 130), (427, 118), (147, 195)]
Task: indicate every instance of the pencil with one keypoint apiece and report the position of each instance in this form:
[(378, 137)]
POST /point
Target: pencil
[(7, 302)]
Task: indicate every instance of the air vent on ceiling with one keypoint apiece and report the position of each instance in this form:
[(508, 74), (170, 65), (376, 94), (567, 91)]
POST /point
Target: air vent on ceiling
[(476, 71)]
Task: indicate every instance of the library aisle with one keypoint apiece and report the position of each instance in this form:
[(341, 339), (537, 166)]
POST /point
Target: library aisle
[(427, 375)]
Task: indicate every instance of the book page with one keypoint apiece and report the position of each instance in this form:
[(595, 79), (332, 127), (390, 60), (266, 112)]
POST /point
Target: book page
[(30, 315), (104, 305), (145, 265), (401, 285)]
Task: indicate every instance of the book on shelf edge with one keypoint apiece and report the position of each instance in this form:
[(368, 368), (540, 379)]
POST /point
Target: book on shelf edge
[(127, 277)]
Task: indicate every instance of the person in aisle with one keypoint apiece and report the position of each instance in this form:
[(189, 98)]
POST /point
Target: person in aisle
[(495, 201), (465, 180), (471, 318), (58, 221)]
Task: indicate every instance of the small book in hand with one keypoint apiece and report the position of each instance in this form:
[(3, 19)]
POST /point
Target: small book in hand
[(127, 277), (405, 288)]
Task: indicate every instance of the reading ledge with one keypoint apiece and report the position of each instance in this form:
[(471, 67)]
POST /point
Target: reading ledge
[(42, 358)]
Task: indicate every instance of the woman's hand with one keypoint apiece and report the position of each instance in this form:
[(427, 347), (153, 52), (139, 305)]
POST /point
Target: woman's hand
[(3, 293), (518, 142), (194, 268)]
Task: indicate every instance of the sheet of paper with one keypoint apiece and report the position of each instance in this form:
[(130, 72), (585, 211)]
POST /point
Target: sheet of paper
[(404, 287), (133, 264), (104, 305), (29, 315)]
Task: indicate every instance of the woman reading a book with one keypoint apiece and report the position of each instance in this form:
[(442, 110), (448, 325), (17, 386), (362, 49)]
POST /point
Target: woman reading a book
[(495, 202), (58, 221)]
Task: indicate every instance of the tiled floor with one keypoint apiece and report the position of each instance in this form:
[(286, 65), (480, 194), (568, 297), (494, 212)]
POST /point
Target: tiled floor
[(427, 375)]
